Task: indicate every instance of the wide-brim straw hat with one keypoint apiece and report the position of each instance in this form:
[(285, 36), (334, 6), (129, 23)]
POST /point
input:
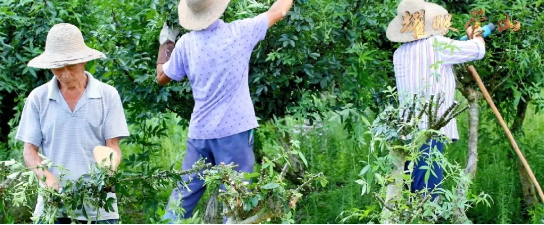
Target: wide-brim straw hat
[(200, 14), (432, 10), (64, 46)]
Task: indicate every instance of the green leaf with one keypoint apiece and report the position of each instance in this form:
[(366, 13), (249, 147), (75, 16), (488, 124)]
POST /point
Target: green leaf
[(303, 158), (255, 201), (84, 211), (364, 170), (271, 186), (360, 182), (427, 175), (323, 182), (248, 176)]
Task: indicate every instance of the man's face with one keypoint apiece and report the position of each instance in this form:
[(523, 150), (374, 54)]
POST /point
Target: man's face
[(70, 74)]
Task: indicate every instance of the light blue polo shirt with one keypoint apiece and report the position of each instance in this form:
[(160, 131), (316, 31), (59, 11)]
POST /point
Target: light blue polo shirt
[(68, 138)]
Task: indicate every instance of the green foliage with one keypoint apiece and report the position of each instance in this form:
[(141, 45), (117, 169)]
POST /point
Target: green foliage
[(388, 173), (90, 189), (268, 197), (328, 62), (512, 69), (537, 214)]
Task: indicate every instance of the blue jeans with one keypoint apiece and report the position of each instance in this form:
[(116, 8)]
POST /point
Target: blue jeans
[(418, 175), (237, 149)]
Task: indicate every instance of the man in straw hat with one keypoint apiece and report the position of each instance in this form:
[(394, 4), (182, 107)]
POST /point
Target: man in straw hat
[(421, 26), (214, 56), (69, 116)]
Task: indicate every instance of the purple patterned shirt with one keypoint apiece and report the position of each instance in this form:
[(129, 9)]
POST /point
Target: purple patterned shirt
[(415, 74), (216, 62)]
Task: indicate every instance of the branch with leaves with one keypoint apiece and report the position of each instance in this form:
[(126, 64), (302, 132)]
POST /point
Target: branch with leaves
[(268, 198), (17, 181)]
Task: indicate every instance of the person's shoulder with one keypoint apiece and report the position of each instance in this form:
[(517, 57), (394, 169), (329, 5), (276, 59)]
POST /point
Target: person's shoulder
[(183, 39), (108, 89), (109, 92), (39, 93)]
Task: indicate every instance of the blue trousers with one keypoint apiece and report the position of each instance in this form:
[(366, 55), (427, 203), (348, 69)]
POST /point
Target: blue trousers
[(418, 175), (237, 149)]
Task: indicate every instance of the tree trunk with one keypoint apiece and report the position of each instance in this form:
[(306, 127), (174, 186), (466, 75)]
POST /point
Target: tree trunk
[(394, 190), (473, 98), (527, 186), (6, 109), (211, 216)]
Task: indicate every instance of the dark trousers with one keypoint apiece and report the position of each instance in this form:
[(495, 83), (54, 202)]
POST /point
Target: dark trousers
[(237, 149), (418, 175)]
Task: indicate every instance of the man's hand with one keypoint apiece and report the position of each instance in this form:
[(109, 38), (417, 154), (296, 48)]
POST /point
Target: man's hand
[(168, 34), (478, 37), (278, 10), (51, 181), (167, 39), (33, 160)]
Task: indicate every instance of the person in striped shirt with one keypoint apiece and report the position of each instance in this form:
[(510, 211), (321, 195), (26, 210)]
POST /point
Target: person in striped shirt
[(423, 66)]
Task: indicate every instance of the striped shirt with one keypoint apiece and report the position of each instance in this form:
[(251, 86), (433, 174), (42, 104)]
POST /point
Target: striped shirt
[(67, 137), (425, 67)]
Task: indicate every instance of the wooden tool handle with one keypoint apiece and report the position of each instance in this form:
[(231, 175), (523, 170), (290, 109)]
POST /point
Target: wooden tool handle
[(478, 80)]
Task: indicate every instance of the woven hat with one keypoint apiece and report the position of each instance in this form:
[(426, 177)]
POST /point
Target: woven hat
[(436, 21), (64, 46), (200, 14)]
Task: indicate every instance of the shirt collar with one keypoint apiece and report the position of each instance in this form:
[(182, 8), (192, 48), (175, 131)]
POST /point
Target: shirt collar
[(92, 89), (214, 24)]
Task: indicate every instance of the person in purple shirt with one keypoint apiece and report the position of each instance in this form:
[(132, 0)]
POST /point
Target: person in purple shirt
[(214, 56)]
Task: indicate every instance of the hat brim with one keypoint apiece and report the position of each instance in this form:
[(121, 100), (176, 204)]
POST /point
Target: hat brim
[(201, 20), (48, 60), (395, 26)]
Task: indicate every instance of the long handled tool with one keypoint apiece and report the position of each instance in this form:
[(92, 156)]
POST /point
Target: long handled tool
[(503, 25), (478, 80)]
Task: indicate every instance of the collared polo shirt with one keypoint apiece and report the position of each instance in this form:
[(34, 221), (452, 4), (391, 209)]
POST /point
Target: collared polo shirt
[(216, 62), (68, 138)]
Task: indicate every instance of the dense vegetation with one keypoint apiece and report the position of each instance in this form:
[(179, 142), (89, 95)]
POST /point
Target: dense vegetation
[(328, 64)]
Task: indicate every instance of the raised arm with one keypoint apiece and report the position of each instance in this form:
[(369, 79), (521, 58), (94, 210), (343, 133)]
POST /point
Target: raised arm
[(277, 11), (167, 39), (460, 51)]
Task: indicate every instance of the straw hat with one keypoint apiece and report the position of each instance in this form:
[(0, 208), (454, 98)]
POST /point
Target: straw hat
[(200, 14), (429, 11), (64, 46)]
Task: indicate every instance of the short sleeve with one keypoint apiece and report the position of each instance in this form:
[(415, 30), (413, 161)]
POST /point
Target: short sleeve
[(175, 68), (253, 29), (29, 130), (115, 124), (455, 52)]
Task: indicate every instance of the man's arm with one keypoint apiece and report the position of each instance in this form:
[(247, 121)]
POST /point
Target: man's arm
[(165, 51), (162, 79), (278, 10), (462, 51), (33, 160)]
